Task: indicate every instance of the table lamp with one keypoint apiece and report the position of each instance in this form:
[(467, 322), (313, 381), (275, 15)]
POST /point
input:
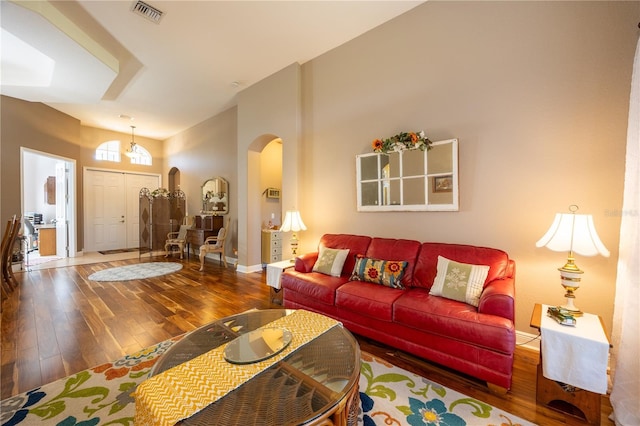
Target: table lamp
[(293, 222), (573, 233)]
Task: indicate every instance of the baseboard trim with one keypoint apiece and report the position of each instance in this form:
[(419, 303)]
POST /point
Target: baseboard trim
[(249, 269), (215, 256), (528, 340)]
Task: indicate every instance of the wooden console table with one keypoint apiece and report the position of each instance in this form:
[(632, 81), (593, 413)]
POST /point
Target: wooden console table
[(205, 226)]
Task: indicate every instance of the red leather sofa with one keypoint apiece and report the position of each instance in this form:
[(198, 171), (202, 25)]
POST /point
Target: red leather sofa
[(477, 341)]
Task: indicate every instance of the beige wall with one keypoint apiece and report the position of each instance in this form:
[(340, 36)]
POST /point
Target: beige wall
[(536, 92), (202, 152), (39, 127), (266, 110), (34, 126)]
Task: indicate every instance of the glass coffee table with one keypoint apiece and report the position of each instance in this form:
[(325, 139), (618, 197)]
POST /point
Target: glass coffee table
[(314, 385)]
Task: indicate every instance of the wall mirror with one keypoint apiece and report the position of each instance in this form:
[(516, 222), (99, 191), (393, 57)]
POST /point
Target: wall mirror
[(215, 197), (410, 180)]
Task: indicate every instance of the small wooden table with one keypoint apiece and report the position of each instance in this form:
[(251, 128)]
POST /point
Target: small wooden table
[(564, 397), (274, 274)]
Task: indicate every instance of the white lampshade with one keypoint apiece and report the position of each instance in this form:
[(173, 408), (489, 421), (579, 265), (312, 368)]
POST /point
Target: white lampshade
[(293, 222), (572, 232)]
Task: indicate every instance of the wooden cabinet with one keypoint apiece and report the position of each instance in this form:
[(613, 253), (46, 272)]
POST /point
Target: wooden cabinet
[(271, 246), (209, 223), (50, 190), (47, 241), (205, 226)]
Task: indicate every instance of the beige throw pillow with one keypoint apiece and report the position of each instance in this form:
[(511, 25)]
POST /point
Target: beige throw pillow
[(459, 281), (330, 261)]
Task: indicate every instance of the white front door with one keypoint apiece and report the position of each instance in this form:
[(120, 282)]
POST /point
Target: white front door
[(112, 204), (104, 210)]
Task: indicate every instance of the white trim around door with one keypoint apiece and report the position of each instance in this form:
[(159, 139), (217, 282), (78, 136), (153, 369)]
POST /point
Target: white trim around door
[(111, 207)]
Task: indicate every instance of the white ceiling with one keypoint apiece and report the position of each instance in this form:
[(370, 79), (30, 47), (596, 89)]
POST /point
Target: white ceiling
[(174, 74)]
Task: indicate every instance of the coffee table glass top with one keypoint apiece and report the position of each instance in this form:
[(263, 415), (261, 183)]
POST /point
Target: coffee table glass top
[(302, 387), (257, 345)]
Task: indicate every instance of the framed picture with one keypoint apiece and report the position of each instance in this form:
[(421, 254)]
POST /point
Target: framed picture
[(273, 193), (443, 183)]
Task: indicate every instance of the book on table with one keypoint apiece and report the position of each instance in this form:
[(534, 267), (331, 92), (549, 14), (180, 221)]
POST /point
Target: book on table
[(561, 315)]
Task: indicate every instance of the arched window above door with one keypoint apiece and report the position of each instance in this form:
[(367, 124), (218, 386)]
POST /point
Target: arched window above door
[(109, 151), (142, 156)]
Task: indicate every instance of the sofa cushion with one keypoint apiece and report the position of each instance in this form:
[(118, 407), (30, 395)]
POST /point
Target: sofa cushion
[(313, 284), (386, 272), (426, 264), (357, 244), (395, 249), (417, 309), (330, 261), (459, 281), (368, 299)]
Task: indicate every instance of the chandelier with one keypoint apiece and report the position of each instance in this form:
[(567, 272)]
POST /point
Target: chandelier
[(133, 151)]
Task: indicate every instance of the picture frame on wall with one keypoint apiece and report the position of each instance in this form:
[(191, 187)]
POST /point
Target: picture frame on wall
[(443, 183), (273, 193)]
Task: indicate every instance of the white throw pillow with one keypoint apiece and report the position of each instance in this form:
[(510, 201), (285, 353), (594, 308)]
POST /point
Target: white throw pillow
[(330, 261), (459, 281)]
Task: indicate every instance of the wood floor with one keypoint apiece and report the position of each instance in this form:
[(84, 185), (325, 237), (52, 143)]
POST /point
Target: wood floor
[(58, 322)]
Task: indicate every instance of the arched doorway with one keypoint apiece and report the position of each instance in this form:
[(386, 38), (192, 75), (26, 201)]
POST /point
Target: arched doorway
[(271, 184), (250, 216), (174, 179)]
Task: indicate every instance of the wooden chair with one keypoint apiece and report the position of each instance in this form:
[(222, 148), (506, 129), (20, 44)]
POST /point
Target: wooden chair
[(5, 287), (176, 239), (9, 281), (215, 245)]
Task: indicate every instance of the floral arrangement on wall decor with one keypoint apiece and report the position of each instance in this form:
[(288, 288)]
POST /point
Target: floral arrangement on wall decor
[(160, 192), (401, 142)]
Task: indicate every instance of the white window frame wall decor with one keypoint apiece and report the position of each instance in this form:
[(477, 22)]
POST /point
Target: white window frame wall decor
[(409, 180)]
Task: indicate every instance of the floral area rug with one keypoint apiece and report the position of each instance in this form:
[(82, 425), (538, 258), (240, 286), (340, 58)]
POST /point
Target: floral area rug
[(390, 395), (136, 272), (99, 395), (102, 396)]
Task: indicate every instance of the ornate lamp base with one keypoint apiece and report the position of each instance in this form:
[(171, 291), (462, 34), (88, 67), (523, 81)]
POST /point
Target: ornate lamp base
[(294, 247), (570, 279)]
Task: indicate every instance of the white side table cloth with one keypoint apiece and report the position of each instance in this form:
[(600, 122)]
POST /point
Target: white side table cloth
[(576, 355), (275, 270)]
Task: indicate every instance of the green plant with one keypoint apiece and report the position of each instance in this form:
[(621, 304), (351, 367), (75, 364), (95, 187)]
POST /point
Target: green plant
[(401, 142)]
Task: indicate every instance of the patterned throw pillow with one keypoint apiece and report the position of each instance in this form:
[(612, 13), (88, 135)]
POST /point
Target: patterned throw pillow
[(330, 261), (386, 272), (459, 281)]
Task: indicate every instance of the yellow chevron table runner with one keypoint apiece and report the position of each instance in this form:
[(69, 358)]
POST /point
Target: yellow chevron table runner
[(185, 389)]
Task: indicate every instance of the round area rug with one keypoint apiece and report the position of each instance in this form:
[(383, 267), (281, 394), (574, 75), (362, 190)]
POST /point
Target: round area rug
[(136, 272)]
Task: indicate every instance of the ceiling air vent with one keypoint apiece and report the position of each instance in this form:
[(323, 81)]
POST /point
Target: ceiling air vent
[(146, 10)]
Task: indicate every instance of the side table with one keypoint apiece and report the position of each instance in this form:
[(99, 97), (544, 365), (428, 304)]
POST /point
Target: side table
[(561, 396), (274, 273)]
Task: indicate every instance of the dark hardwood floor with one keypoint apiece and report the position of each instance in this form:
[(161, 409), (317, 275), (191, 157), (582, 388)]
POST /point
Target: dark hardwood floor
[(58, 323)]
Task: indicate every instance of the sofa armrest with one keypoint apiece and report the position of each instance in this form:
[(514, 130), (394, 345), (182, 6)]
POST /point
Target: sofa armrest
[(498, 298), (305, 262)]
